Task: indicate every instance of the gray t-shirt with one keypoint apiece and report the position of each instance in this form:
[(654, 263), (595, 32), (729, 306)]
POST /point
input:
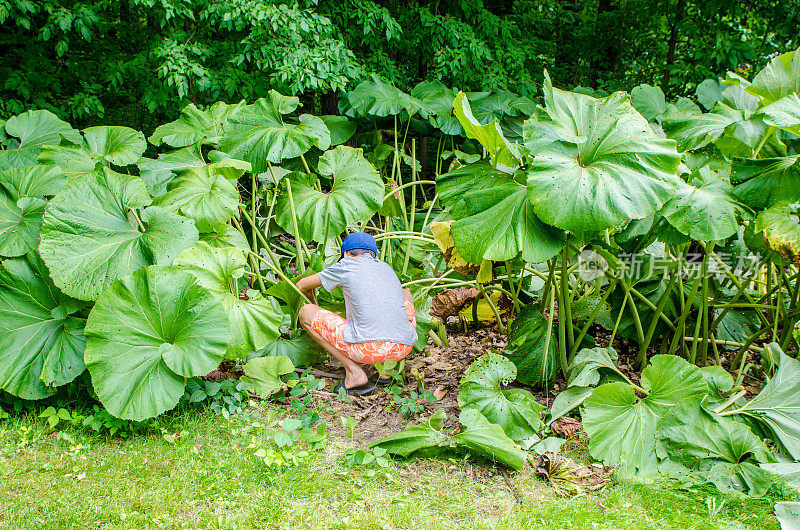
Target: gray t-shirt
[(373, 299)]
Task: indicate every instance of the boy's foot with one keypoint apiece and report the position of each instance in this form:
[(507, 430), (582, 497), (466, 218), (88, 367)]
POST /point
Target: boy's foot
[(359, 390)]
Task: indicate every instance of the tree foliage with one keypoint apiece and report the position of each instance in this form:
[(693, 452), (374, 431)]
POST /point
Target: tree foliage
[(139, 62)]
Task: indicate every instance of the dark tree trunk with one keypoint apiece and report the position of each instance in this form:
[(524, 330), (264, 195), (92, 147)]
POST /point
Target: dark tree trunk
[(673, 41)]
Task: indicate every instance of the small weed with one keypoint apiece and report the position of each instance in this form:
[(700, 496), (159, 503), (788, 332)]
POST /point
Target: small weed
[(407, 401), (225, 397)]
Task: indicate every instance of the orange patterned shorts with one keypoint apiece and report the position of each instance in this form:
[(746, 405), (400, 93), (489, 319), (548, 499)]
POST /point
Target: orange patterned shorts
[(331, 327)]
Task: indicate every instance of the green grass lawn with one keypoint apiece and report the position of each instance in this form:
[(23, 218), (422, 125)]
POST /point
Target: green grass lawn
[(209, 478)]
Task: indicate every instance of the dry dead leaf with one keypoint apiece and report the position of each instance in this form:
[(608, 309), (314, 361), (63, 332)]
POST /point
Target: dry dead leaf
[(566, 427), (569, 478), (440, 392), (451, 301)]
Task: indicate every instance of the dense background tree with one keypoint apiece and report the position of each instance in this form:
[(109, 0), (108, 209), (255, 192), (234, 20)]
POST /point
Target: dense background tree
[(138, 62)]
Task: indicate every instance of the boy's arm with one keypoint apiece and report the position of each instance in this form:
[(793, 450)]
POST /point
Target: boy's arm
[(307, 286)]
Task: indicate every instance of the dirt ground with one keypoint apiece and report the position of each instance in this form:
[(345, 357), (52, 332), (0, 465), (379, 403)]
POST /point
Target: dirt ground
[(442, 369)]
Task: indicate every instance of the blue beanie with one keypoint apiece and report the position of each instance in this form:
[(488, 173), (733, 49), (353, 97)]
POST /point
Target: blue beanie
[(359, 240)]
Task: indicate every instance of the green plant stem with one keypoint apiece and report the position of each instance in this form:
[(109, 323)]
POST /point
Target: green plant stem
[(591, 320), (564, 368), (562, 331), (704, 304), (500, 326), (138, 221), (407, 185), (637, 322), (730, 401), (407, 257), (327, 228), (305, 164), (566, 296), (738, 285), (770, 131), (641, 359), (298, 243), (253, 264), (540, 274), (788, 326), (681, 326), (253, 195), (430, 209), (511, 288), (735, 344), (417, 237), (549, 279), (741, 354), (282, 276)]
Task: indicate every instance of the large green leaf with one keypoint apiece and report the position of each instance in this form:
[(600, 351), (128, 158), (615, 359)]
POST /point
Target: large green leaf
[(158, 173), (203, 194), (488, 440), (788, 471), (527, 336), (649, 101), (225, 236), (117, 145), (300, 348), (515, 410), (781, 228), (424, 439), (146, 334), (437, 106), (91, 236), (766, 182), (778, 403), (21, 205), (778, 79), (75, 162), (33, 181), (708, 92), (41, 345), (195, 125), (340, 127), (702, 440), (263, 375), (499, 104), (20, 219), (705, 211), (622, 427), (356, 194), (694, 131), (788, 514), (505, 155), (33, 129), (120, 146), (609, 166), (259, 134), (254, 320), (584, 370), (784, 113), (690, 434), (478, 437), (494, 218), (377, 98)]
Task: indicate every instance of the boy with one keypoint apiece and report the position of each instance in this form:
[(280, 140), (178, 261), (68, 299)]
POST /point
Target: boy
[(380, 320)]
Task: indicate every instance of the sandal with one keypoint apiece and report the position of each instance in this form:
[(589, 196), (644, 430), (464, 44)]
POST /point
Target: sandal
[(360, 390), (383, 382)]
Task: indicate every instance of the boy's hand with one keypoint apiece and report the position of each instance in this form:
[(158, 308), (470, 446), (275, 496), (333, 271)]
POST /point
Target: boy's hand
[(307, 286)]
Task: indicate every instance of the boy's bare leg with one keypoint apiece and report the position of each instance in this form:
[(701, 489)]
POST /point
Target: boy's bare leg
[(354, 375)]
